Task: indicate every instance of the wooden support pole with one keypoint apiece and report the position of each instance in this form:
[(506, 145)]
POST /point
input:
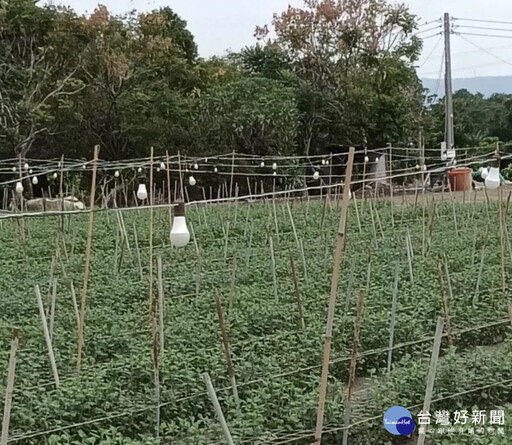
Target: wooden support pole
[(161, 308), (502, 240), (52, 306), (227, 350), (431, 375), (47, 336), (393, 317), (297, 293), (88, 248), (340, 245), (9, 389), (444, 300), (353, 362), (218, 410), (273, 265)]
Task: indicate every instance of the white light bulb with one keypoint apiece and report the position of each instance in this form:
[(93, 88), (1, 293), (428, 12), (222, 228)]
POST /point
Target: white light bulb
[(192, 181), (444, 157), (215, 170), (424, 168), (493, 180), (366, 159), (275, 173), (35, 181), (323, 161), (14, 169), (19, 188), (30, 171), (55, 175), (139, 170), (83, 166), (327, 162), (484, 173), (180, 236), (316, 175), (262, 164), (417, 166), (205, 159), (274, 166), (158, 169), (26, 166), (162, 166), (116, 174), (377, 159), (142, 192), (196, 166)]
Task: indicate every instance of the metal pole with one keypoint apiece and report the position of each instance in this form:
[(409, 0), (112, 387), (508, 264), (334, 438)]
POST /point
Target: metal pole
[(449, 136)]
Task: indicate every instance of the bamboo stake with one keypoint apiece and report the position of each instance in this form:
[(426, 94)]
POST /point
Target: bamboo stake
[(47, 336), (502, 240), (273, 264), (353, 362), (9, 387), (161, 308), (218, 410), (52, 307), (293, 224), (340, 244), (88, 248), (305, 269), (137, 251), (431, 375), (445, 305), (297, 293), (393, 316), (75, 305), (227, 351), (409, 258), (357, 213)]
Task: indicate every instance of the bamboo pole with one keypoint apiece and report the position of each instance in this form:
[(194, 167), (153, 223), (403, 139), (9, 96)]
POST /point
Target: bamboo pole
[(444, 300), (502, 240), (218, 410), (297, 293), (88, 248), (47, 336), (9, 387), (75, 305), (431, 375), (393, 317), (52, 307), (227, 351), (340, 244), (273, 264), (137, 251), (161, 308), (353, 362)]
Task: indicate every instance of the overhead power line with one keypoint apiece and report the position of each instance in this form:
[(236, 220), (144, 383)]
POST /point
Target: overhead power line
[(431, 52), (482, 27), (484, 35), (482, 21), (484, 50)]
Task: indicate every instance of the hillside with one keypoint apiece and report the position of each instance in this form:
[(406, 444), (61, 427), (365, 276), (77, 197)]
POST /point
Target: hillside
[(485, 85)]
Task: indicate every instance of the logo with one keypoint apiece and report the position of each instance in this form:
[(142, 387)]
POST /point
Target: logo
[(398, 421)]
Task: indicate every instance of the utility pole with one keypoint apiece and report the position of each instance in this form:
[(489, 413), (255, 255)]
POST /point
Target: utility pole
[(448, 133)]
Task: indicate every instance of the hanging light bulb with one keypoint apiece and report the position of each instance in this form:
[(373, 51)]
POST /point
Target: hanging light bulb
[(54, 175), (158, 169), (417, 166), (142, 192), (275, 173), (493, 180), (139, 170), (26, 167), (162, 166), (116, 174), (192, 181), (366, 159), (83, 166), (377, 159), (484, 172), (424, 167), (180, 235), (316, 176), (196, 166), (215, 170), (262, 164), (274, 166), (35, 181), (327, 162), (30, 172), (19, 188), (323, 161), (14, 169)]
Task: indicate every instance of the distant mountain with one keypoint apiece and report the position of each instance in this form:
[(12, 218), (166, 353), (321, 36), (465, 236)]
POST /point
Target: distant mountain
[(485, 85)]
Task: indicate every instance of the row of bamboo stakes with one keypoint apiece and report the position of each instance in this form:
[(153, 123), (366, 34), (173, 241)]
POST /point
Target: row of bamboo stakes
[(156, 303)]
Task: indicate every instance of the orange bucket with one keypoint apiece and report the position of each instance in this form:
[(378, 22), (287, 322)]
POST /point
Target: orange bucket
[(461, 179)]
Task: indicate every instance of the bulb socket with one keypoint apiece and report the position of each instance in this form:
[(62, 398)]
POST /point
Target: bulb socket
[(179, 210)]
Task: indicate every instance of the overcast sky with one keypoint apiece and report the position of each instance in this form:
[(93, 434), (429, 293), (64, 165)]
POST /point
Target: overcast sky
[(221, 25)]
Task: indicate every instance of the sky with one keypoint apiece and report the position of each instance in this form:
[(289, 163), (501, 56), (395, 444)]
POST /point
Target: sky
[(223, 25)]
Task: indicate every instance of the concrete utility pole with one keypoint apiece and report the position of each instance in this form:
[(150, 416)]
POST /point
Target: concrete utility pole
[(448, 133)]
